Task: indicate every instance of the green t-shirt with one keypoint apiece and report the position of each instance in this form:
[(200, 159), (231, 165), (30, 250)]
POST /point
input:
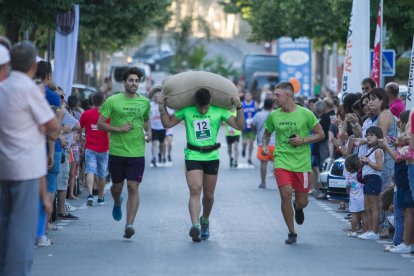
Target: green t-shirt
[(122, 110), (232, 131), (202, 130), (299, 122)]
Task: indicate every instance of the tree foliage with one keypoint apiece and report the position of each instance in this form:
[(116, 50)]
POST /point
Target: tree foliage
[(325, 21), (104, 24)]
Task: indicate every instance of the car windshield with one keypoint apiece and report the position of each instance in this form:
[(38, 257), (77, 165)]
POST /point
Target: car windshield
[(118, 73)]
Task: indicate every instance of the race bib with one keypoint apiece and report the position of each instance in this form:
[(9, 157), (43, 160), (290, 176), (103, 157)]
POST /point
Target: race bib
[(202, 129), (249, 122)]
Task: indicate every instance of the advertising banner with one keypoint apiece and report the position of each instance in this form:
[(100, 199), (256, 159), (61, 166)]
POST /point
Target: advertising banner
[(356, 63), (409, 104), (66, 42), (295, 62)]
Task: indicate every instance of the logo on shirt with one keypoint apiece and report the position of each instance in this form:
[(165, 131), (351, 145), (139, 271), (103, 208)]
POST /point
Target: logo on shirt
[(94, 127)]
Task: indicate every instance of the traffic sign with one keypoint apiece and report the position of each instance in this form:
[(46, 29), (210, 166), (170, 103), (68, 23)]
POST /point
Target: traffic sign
[(388, 62)]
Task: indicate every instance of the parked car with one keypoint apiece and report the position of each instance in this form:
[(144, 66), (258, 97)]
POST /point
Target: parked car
[(116, 77), (157, 57), (336, 181), (253, 63), (82, 91), (260, 79)]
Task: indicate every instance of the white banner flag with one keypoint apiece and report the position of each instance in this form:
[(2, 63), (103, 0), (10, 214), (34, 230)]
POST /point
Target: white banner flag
[(356, 63), (66, 41), (409, 104)]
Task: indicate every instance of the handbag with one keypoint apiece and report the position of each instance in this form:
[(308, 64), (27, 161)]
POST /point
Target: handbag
[(405, 153), (359, 175)]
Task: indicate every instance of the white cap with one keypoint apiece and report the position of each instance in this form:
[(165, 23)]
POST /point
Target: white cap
[(4, 55)]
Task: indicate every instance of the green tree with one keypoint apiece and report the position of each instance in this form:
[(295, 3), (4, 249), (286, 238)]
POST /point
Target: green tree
[(325, 21)]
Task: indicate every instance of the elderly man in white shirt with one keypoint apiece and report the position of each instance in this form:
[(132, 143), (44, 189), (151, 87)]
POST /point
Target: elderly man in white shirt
[(25, 118)]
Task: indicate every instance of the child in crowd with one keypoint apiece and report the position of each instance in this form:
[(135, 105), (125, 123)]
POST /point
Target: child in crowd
[(373, 163), (403, 239), (356, 194)]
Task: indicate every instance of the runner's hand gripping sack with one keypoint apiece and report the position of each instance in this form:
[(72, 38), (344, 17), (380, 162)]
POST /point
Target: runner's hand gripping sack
[(179, 89)]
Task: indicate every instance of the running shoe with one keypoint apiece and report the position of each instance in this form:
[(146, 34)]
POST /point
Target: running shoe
[(117, 211), (402, 248), (231, 162), (244, 152), (291, 238), (169, 158), (234, 164), (195, 233), (129, 231), (250, 162), (101, 201), (205, 230), (89, 201), (299, 215)]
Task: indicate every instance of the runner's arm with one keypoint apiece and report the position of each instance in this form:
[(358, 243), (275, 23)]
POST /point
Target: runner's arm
[(168, 121), (103, 125), (238, 121), (318, 135), (148, 131), (265, 141)]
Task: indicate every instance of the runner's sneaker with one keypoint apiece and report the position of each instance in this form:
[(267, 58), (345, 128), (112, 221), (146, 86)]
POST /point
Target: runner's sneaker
[(89, 201), (291, 238), (129, 231), (205, 229), (249, 162), (402, 248), (231, 162), (117, 211), (234, 164), (101, 201), (195, 233), (299, 215), (70, 208)]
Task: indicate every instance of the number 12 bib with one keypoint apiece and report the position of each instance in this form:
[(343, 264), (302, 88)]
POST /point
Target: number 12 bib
[(202, 129)]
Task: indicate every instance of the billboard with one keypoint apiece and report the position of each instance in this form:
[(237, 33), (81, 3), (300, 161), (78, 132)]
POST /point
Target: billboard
[(295, 62)]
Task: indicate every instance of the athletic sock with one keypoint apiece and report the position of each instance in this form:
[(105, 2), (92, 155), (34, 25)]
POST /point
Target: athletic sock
[(204, 220)]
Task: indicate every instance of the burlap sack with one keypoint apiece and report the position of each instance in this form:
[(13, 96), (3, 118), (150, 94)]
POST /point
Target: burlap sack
[(179, 89)]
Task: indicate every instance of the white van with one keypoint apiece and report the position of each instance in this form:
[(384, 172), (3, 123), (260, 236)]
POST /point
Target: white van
[(116, 77)]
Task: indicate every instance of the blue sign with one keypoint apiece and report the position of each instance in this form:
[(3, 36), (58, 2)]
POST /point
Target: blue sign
[(295, 62), (388, 62)]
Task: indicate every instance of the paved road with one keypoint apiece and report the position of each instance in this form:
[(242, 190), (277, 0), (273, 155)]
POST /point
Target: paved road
[(247, 234)]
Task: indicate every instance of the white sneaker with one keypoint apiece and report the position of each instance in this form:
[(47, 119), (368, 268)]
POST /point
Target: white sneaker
[(402, 248), (353, 234), (70, 208), (389, 247), (363, 235), (371, 236), (43, 241)]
